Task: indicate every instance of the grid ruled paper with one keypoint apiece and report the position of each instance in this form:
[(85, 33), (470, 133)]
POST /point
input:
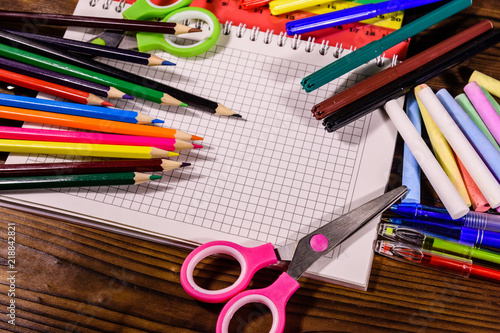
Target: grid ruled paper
[(270, 177)]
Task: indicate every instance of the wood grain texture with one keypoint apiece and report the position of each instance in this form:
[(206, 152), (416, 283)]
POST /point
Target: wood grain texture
[(78, 279)]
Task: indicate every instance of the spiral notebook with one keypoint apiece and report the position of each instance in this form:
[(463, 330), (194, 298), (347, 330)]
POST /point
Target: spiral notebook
[(270, 177)]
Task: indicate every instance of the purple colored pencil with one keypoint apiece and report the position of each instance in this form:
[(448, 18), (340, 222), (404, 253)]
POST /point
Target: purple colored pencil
[(62, 79)]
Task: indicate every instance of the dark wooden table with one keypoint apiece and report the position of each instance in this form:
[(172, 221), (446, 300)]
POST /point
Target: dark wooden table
[(74, 278)]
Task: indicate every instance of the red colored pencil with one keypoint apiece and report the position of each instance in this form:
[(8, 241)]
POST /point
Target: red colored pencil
[(51, 88)]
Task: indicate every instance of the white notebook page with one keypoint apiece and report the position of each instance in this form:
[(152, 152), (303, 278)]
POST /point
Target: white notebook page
[(270, 177)]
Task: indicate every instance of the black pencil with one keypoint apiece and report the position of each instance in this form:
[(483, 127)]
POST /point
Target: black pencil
[(172, 28), (62, 79), (97, 50), (62, 55), (401, 86)]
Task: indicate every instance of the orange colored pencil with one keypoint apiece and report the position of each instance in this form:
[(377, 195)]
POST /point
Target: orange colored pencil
[(92, 124), (51, 88)]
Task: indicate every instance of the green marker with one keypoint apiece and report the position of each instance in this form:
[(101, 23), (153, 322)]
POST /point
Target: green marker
[(377, 48), (433, 243), (85, 74)]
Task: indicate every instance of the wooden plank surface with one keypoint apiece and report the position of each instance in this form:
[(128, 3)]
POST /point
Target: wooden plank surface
[(78, 279)]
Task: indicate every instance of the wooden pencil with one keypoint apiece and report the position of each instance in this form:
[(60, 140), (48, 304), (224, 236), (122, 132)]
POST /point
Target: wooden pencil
[(95, 66), (130, 88), (67, 168), (36, 134), (76, 168), (50, 88), (61, 79), (58, 181), (171, 28), (97, 50), (98, 125), (82, 149), (62, 107)]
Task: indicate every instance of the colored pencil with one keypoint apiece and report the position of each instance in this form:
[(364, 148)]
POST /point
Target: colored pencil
[(61, 79), (402, 85), (97, 50), (78, 168), (20, 133), (56, 181), (68, 69), (91, 111), (370, 84), (82, 149), (50, 88), (98, 125), (171, 28), (110, 71)]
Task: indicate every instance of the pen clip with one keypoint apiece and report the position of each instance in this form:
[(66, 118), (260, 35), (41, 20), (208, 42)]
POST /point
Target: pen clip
[(395, 232)]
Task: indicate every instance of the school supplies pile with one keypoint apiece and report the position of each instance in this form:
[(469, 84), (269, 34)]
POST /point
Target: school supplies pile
[(264, 178)]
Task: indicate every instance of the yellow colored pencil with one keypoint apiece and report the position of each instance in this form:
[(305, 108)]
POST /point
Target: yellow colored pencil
[(442, 151), (82, 149)]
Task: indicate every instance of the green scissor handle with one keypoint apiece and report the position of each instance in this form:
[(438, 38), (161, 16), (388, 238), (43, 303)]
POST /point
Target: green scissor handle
[(147, 9), (174, 12)]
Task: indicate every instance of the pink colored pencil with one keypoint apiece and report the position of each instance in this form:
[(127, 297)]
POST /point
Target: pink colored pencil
[(18, 133)]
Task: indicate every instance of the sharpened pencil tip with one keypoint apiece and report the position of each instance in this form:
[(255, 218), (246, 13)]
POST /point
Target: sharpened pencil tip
[(157, 121), (127, 97), (184, 105), (236, 115), (196, 138), (185, 164), (195, 30), (167, 63), (104, 103), (153, 177), (195, 146)]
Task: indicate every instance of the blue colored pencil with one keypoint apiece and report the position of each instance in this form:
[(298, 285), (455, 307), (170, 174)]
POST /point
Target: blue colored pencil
[(74, 109)]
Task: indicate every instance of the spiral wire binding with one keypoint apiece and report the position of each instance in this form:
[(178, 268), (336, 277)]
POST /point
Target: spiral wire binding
[(282, 38)]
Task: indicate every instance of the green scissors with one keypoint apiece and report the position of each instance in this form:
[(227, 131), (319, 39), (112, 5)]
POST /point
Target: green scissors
[(176, 11)]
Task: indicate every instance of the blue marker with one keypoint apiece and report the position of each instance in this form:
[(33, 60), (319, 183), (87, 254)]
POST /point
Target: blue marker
[(440, 215), (350, 15), (466, 235)]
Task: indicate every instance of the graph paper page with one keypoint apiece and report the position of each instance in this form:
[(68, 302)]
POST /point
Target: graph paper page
[(272, 176)]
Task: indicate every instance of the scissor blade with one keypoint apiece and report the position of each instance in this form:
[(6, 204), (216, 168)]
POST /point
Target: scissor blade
[(338, 230)]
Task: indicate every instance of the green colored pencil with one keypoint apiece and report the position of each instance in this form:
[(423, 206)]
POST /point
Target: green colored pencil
[(98, 179), (82, 73)]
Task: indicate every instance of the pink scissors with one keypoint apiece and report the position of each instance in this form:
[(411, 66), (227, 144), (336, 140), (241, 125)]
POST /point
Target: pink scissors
[(301, 254)]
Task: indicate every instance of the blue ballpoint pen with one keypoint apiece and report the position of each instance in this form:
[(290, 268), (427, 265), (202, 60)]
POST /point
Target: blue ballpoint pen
[(466, 235), (440, 215), (350, 15)]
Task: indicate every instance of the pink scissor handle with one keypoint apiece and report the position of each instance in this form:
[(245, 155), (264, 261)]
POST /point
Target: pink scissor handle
[(274, 297), (250, 259)]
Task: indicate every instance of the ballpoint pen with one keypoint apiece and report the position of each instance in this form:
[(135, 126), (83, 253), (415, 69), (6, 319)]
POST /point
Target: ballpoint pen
[(429, 242), (440, 215), (465, 235), (450, 264), (349, 15)]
